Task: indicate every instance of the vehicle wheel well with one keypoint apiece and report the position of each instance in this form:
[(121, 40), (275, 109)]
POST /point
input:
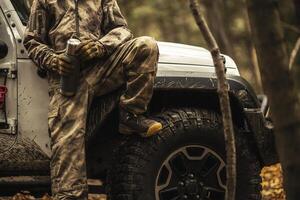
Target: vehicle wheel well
[(206, 99)]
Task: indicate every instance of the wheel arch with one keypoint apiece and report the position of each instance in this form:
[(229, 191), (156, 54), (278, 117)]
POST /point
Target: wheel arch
[(207, 99), (202, 92)]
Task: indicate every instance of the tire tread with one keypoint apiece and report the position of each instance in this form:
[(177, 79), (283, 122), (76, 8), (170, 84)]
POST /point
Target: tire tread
[(125, 179)]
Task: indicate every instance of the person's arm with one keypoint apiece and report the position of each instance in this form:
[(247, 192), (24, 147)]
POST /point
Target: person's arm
[(114, 26), (114, 29), (35, 39), (36, 42)]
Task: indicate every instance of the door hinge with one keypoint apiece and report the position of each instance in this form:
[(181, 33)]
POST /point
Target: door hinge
[(12, 74), (8, 71), (9, 127)]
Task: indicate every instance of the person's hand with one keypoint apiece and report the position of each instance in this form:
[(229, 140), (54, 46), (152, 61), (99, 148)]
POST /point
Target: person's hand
[(62, 64), (90, 49)]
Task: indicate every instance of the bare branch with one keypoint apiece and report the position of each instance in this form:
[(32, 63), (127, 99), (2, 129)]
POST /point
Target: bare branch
[(291, 27), (294, 54), (224, 99)]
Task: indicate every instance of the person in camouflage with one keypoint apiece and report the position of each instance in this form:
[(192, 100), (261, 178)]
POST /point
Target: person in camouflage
[(110, 58)]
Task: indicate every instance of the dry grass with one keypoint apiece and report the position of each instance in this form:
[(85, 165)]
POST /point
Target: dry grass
[(272, 187)]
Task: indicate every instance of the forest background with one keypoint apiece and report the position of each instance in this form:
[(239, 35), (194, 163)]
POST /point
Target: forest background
[(171, 21)]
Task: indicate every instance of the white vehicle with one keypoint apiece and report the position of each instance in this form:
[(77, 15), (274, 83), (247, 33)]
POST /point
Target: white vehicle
[(186, 161)]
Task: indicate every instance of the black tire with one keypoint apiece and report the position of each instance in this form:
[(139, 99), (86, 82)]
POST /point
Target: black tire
[(137, 167)]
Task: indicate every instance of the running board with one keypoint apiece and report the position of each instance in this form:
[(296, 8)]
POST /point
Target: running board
[(38, 185)]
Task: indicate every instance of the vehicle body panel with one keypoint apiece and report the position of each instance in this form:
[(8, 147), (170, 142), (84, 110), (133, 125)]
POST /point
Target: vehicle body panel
[(33, 105), (7, 68)]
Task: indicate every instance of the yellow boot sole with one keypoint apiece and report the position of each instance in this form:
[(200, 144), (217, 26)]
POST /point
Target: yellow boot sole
[(152, 130)]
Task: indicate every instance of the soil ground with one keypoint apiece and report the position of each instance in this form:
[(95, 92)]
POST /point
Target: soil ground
[(272, 187)]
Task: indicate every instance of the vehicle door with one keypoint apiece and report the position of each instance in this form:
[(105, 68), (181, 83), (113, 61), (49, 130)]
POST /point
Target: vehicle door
[(8, 83), (30, 98)]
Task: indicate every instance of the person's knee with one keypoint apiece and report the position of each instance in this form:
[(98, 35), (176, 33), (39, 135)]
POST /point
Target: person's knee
[(147, 46)]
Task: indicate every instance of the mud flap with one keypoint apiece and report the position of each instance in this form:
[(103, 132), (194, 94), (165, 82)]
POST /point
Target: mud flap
[(263, 131)]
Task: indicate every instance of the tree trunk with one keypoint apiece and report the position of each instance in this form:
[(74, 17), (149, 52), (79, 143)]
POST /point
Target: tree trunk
[(280, 87), (294, 54), (223, 89), (237, 29), (215, 18), (297, 10), (253, 58), (288, 15)]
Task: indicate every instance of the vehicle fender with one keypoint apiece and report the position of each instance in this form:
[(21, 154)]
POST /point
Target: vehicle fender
[(245, 107)]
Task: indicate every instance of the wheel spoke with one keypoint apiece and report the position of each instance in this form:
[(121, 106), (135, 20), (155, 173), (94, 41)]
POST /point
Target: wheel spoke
[(191, 170), (178, 164), (165, 176), (195, 152), (222, 175), (169, 194), (210, 165), (190, 154), (213, 193)]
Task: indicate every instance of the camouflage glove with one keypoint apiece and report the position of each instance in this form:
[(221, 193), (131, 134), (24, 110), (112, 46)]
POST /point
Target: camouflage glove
[(61, 64), (90, 49)]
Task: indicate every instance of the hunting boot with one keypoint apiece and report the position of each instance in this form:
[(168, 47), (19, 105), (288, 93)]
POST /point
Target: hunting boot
[(137, 124)]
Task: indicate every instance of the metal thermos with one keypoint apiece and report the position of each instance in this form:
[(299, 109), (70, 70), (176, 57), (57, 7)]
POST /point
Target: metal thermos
[(69, 84)]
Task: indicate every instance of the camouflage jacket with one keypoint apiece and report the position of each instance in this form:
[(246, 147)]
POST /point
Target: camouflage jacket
[(52, 23)]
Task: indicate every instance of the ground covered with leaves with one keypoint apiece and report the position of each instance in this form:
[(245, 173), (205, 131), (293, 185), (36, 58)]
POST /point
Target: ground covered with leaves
[(271, 184), (26, 196)]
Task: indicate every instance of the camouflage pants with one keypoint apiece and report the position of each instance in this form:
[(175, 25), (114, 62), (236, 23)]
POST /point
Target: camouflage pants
[(133, 64)]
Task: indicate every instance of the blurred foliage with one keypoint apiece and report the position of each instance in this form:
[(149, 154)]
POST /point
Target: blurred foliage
[(171, 20), (167, 20)]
